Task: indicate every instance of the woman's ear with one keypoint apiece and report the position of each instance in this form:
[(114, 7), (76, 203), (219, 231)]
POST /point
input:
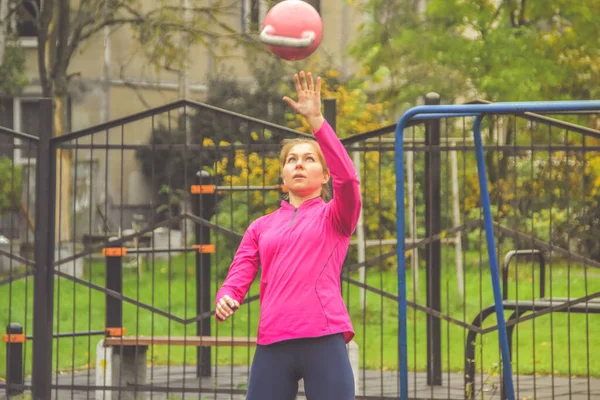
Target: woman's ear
[(325, 178)]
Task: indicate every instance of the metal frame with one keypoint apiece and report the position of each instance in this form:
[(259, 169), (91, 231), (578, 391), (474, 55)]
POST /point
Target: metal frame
[(478, 111)]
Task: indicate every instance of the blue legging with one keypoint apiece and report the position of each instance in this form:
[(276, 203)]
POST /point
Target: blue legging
[(322, 362)]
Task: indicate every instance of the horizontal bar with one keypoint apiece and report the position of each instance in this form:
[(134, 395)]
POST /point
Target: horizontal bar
[(375, 133), (193, 388), (16, 258), (433, 116), (18, 135), (412, 304), (180, 341), (470, 148), (546, 310), (501, 108), (15, 277), (117, 295), (221, 148), (146, 250), (73, 334), (179, 104)]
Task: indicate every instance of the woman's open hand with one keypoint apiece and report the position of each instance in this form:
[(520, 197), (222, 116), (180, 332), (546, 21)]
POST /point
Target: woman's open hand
[(309, 99)]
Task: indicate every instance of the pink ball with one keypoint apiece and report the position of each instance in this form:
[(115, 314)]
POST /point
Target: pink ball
[(292, 30)]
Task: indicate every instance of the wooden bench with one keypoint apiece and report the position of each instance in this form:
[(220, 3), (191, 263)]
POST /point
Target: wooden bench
[(198, 341), (124, 358)]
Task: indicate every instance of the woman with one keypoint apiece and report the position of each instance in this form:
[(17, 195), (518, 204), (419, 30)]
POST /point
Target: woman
[(304, 325)]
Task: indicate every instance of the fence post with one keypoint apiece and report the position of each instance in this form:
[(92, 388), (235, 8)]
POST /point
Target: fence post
[(203, 203), (43, 296), (114, 282), (330, 111), (433, 256), (14, 339)]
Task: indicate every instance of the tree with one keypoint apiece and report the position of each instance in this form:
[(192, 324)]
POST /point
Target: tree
[(10, 186), (498, 50), (165, 31), (12, 59)]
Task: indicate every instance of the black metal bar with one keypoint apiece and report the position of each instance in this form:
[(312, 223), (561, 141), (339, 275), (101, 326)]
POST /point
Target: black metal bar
[(516, 253), (43, 297), (203, 207), (548, 247), (543, 307), (16, 258), (115, 242), (369, 146), (186, 389), (15, 278), (330, 112), (144, 250), (164, 109), (433, 251), (509, 332), (125, 299), (114, 282), (18, 135), (14, 361), (73, 334), (469, 376), (552, 121)]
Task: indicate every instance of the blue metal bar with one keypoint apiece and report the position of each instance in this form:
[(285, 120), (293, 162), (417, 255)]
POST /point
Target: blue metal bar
[(468, 110), (401, 253), (441, 115), (491, 247), (508, 107)]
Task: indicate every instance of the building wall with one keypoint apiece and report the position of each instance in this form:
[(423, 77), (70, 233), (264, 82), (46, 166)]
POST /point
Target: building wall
[(136, 86)]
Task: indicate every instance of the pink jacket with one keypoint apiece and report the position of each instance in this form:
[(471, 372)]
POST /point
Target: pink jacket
[(301, 252)]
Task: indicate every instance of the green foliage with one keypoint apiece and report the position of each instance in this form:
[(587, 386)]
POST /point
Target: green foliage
[(10, 186), (498, 50), (12, 71)]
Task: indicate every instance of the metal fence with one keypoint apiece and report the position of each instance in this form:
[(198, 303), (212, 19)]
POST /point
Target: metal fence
[(136, 221)]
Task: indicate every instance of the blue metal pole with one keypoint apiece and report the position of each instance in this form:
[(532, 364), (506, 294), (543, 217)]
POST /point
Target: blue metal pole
[(491, 247), (468, 110), (400, 248)]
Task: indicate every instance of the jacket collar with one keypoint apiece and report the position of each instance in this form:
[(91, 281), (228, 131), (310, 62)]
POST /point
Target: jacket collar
[(285, 205)]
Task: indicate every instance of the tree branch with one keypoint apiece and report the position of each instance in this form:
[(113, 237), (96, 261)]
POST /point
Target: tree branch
[(62, 48), (43, 38), (522, 20)]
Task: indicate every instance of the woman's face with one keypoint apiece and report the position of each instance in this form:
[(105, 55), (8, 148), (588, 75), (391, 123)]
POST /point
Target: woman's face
[(303, 172)]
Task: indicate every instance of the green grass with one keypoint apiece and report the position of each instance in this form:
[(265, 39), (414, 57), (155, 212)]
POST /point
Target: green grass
[(558, 342)]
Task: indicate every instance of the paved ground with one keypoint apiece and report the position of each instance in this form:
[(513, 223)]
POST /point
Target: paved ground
[(183, 384)]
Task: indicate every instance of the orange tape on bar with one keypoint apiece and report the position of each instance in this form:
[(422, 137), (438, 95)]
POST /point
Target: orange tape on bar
[(114, 251), (205, 248), (14, 338), (203, 189), (115, 332)]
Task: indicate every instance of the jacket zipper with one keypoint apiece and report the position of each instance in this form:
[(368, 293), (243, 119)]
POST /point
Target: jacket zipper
[(293, 218)]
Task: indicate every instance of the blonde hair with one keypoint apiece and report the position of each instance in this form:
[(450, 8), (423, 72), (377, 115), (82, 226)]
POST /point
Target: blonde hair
[(288, 145)]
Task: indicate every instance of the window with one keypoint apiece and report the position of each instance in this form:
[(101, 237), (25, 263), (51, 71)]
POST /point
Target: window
[(6, 120), (253, 14), (26, 16), (22, 115), (316, 4), (254, 11)]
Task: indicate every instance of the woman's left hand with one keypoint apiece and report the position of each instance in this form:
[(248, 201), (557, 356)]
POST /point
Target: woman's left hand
[(309, 99)]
